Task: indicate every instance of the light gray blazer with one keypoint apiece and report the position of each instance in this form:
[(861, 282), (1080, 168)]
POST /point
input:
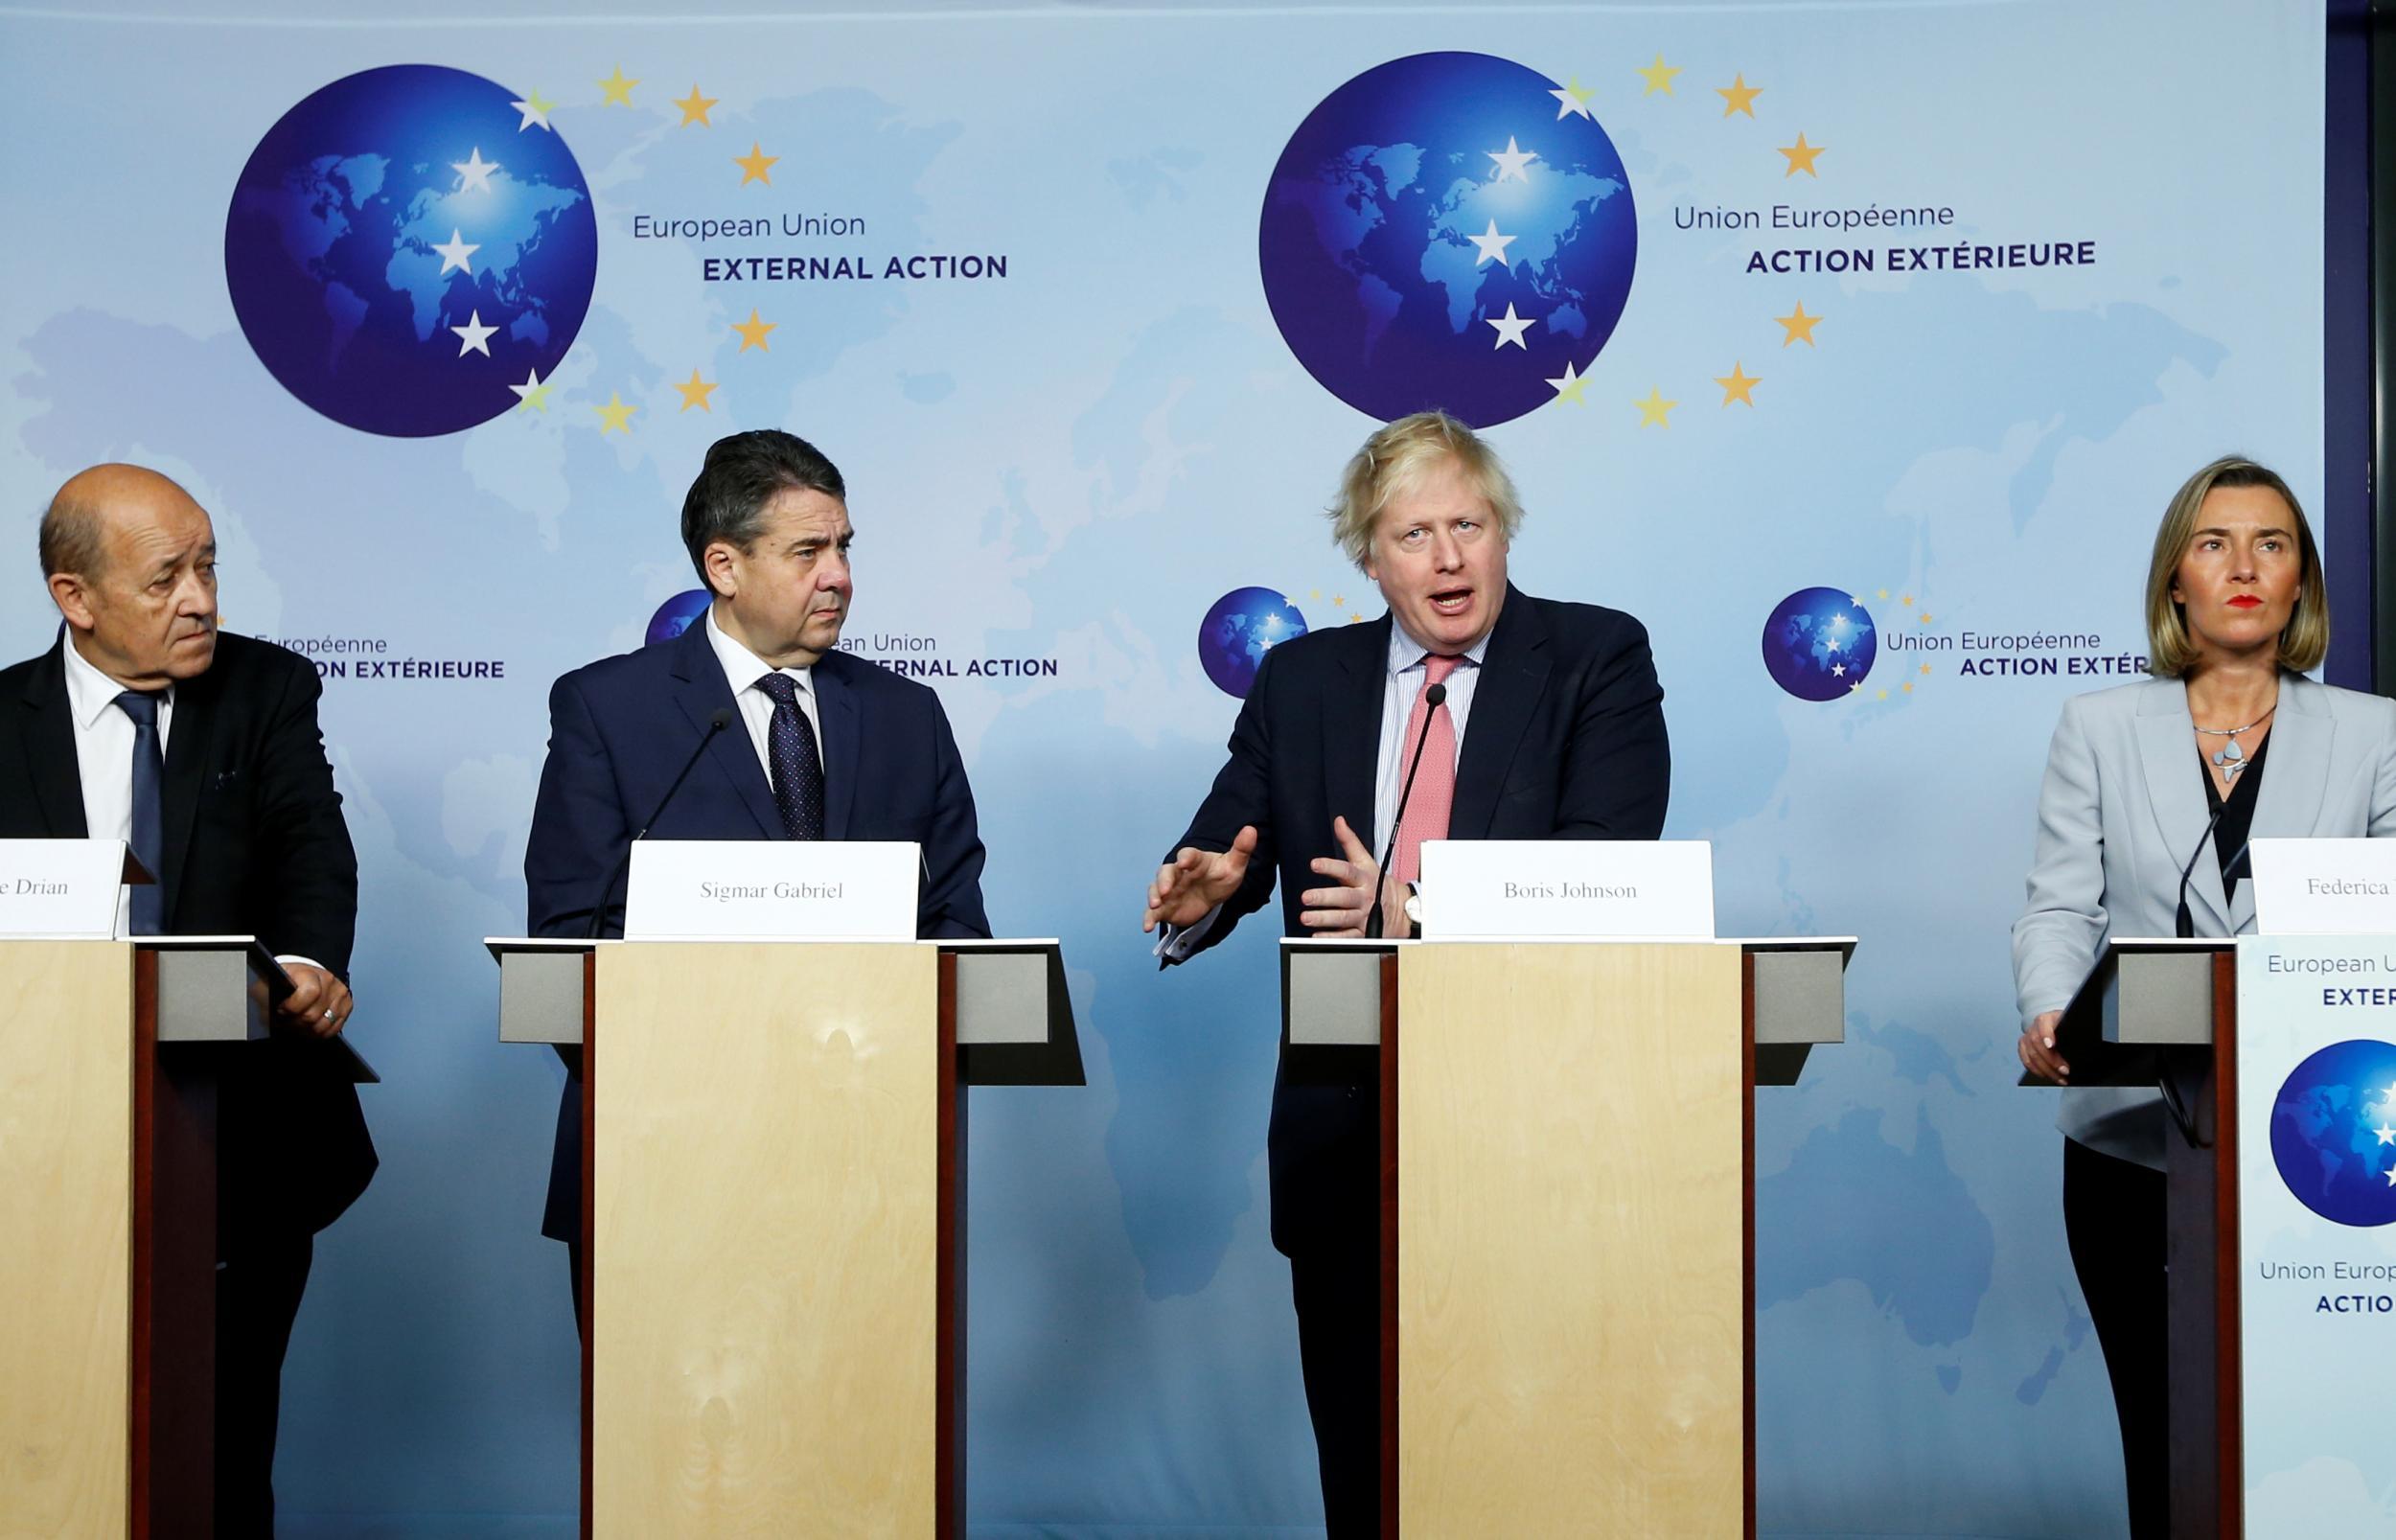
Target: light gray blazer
[(2121, 810)]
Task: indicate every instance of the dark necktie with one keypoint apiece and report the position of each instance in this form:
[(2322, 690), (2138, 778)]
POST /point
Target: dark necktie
[(797, 765), (148, 810)]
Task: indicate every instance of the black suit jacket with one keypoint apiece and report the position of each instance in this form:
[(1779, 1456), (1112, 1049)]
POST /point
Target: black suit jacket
[(254, 843), (1566, 740), (621, 728)]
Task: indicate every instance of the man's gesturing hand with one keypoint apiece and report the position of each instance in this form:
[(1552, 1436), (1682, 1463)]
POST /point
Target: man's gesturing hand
[(1188, 887), (1341, 911)]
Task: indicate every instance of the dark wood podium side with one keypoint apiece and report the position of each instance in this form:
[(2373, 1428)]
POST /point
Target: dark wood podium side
[(2163, 1012)]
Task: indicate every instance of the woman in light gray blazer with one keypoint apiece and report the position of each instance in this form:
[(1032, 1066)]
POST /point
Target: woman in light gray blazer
[(2236, 611)]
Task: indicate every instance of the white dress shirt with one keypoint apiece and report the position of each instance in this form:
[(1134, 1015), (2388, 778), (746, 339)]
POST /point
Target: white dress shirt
[(742, 670), (103, 757), (1402, 681), (104, 762)]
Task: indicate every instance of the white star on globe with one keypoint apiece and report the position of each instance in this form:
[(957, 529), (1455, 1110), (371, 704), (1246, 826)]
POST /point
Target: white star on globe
[(455, 253)]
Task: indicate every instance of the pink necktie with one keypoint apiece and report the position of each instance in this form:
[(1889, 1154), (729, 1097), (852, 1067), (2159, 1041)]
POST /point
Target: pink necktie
[(1435, 784)]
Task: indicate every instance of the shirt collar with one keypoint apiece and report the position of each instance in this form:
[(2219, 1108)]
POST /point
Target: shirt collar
[(743, 668), (90, 693), (1406, 653)]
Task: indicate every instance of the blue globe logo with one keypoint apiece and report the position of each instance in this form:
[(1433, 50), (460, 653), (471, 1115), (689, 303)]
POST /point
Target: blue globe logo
[(1239, 628), (1448, 230), (406, 245), (2333, 1133), (1819, 644), (676, 616)]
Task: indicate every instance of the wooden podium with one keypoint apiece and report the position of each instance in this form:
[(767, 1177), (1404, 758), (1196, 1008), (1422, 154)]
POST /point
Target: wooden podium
[(1567, 1219), (773, 1210), (108, 1225)]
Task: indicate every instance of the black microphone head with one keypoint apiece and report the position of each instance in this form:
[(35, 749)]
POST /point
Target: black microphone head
[(1435, 697), (721, 718)]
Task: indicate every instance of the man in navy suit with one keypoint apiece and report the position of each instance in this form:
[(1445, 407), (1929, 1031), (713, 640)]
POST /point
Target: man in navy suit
[(201, 749), (821, 745), (1552, 727)]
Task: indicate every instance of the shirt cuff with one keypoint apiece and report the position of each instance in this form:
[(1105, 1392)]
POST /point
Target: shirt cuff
[(1175, 943)]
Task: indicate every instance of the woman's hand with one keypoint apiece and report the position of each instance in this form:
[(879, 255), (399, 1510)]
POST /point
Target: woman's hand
[(2037, 1049)]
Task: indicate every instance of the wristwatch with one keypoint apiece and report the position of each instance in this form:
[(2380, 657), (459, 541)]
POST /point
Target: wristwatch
[(1414, 912)]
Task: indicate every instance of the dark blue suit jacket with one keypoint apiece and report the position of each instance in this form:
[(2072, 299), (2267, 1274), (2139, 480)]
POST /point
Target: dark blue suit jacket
[(1566, 740), (621, 728)]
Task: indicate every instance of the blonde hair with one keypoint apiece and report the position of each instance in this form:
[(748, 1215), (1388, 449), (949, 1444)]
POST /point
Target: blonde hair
[(2303, 642), (1398, 456)]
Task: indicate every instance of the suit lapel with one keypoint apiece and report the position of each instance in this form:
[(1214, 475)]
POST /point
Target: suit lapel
[(2167, 758), (1352, 734), (700, 690), (191, 740), (50, 765), (1513, 677), (836, 709)]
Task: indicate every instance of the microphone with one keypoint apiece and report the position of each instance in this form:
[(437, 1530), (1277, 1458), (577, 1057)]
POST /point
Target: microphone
[(1434, 697), (2185, 926), (716, 724)]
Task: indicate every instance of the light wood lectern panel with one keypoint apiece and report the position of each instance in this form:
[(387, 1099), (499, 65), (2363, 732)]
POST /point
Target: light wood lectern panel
[(1570, 1297), (775, 1109), (67, 1216)]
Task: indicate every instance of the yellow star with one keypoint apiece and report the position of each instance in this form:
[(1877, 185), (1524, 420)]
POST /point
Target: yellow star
[(1739, 96), (1800, 328), (1569, 387), (697, 392), (753, 332), (618, 91), (1339, 601), (1653, 410), (1925, 617), (1909, 686), (1658, 76), (1925, 668), (755, 164), (695, 108), (615, 417), (1882, 694), (1907, 600), (1882, 593), (1738, 385), (1801, 157)]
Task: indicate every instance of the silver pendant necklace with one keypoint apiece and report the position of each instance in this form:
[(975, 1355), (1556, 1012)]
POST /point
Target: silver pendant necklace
[(2232, 758)]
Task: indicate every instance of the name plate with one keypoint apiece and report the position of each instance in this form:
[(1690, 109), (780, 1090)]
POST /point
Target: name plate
[(1597, 889), (63, 889), (2324, 886), (772, 890)]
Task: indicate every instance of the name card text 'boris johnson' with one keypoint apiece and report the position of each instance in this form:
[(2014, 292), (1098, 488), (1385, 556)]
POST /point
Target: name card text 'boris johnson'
[(1648, 889)]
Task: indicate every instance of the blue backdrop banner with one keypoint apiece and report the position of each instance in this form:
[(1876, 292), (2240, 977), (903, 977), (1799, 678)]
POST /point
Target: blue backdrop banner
[(1853, 348)]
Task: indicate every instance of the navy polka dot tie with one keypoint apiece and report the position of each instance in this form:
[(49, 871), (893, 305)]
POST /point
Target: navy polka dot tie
[(797, 765)]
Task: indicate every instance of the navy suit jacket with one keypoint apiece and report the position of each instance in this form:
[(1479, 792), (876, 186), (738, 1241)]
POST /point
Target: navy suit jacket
[(253, 843), (621, 729), (1566, 740)]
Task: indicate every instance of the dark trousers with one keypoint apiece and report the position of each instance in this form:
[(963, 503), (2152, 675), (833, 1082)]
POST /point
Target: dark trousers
[(1338, 1294), (258, 1298), (2113, 1219)]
